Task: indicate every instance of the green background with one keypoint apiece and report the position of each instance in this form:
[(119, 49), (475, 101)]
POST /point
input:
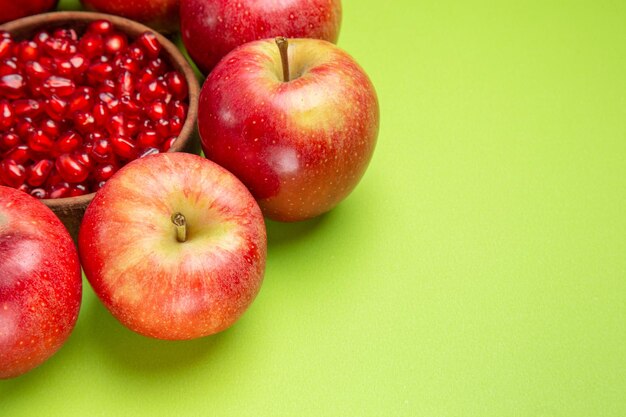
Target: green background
[(479, 268)]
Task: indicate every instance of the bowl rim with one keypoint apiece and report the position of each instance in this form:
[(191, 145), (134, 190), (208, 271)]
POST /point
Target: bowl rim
[(132, 28)]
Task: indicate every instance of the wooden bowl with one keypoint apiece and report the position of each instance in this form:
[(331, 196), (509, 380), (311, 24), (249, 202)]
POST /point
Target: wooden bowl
[(70, 210)]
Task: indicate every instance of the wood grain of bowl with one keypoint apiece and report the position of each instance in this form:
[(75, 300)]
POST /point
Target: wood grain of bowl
[(70, 210)]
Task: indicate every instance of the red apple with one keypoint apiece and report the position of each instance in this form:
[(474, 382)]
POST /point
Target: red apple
[(300, 146), (212, 28), (161, 15), (14, 9), (40, 283), (174, 246)]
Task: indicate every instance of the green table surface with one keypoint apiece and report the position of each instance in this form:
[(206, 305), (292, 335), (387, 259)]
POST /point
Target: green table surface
[(479, 269)]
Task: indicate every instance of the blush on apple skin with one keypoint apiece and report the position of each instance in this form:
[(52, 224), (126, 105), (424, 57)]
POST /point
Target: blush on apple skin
[(154, 284), (15, 9), (212, 28), (40, 283), (299, 146), (161, 15)]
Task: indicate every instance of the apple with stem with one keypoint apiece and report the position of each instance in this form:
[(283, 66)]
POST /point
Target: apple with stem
[(212, 28), (296, 120), (174, 246), (15, 9), (40, 283), (161, 15)]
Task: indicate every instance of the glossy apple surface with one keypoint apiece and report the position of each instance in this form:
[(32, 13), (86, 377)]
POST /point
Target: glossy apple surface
[(300, 146), (40, 283), (212, 28), (161, 15), (152, 282), (15, 9)]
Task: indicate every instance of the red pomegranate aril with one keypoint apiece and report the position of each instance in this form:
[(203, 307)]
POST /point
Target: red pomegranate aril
[(98, 72), (130, 107), (59, 190), (136, 53), (91, 45), (84, 122), (163, 128), (146, 76), (35, 71), (12, 86), (124, 147), (156, 110), (150, 44), (153, 91), (132, 127), (81, 100), (9, 67), (27, 51), (104, 172), (39, 141), (38, 172), (56, 107), (51, 127), (6, 47), (176, 126), (157, 66), (60, 86), (168, 143), (177, 85), (70, 169), (27, 108), (78, 190), (41, 37), (59, 47), (148, 152), (39, 193), (125, 84), (9, 140), (20, 154), (65, 33), (116, 125), (7, 114), (68, 142), (101, 27), (114, 43), (100, 114), (102, 151), (12, 173), (149, 138), (23, 127), (83, 156)]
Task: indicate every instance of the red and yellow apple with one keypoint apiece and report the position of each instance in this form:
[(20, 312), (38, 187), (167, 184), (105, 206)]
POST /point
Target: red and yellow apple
[(40, 283), (161, 15), (212, 28), (174, 246), (15, 9), (300, 145)]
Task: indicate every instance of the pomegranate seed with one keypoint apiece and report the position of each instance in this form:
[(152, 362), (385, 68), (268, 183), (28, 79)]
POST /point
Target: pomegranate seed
[(27, 108), (9, 140), (136, 53), (59, 190), (102, 151), (84, 122), (41, 37), (81, 100), (12, 173), (176, 126), (155, 90), (35, 71), (77, 190), (168, 143), (24, 188), (163, 128), (114, 43), (68, 142), (20, 154), (51, 127), (149, 138), (178, 109), (107, 86), (91, 45), (124, 147), (148, 152), (104, 172), (56, 107), (27, 51), (83, 156), (70, 169), (130, 107), (101, 27), (125, 84), (100, 114), (150, 44), (39, 141), (7, 114), (99, 72), (59, 47), (132, 127), (177, 85), (6, 46), (61, 86), (157, 66), (12, 86), (8, 67), (38, 173), (65, 33), (39, 193), (24, 127), (156, 110)]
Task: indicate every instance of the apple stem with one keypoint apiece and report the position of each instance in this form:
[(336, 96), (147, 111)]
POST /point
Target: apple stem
[(181, 226), (283, 46)]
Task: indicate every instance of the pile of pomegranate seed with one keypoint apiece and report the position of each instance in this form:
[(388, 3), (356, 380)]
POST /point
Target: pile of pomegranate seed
[(73, 110)]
